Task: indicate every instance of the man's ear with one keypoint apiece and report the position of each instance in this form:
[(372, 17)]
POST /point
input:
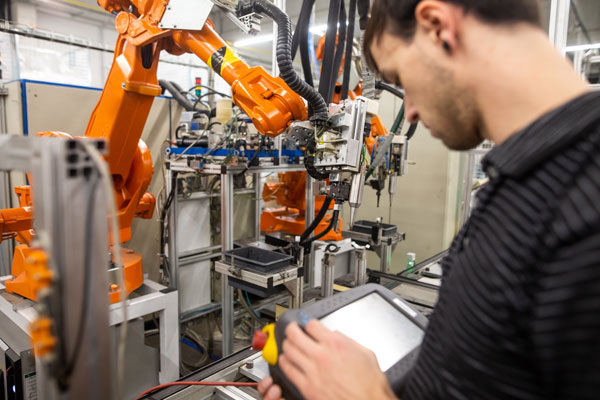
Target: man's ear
[(438, 20)]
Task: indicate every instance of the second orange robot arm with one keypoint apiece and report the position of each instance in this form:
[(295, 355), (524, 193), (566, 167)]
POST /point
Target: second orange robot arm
[(268, 101)]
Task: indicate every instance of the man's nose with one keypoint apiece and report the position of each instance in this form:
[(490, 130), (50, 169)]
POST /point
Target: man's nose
[(411, 112)]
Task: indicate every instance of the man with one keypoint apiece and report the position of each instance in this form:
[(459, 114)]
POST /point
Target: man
[(518, 315)]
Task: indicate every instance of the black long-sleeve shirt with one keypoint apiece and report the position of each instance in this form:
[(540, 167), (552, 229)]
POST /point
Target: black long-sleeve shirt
[(518, 315)]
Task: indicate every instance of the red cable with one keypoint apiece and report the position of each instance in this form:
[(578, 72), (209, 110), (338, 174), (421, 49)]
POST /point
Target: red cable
[(183, 383)]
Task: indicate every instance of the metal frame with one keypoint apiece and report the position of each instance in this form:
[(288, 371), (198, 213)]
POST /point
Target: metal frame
[(6, 247), (559, 23), (227, 223), (156, 298), (227, 227), (17, 314), (64, 189), (68, 182), (322, 276), (267, 165), (383, 248), (291, 278), (467, 182)]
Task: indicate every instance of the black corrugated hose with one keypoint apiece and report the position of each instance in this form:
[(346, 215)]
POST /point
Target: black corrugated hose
[(304, 52), (349, 46), (177, 94), (300, 39), (317, 219), (363, 13), (389, 88), (329, 51), (296, 36), (284, 53), (332, 223), (339, 51)]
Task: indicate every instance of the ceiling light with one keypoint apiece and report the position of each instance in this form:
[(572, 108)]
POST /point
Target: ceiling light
[(253, 40), (315, 30)]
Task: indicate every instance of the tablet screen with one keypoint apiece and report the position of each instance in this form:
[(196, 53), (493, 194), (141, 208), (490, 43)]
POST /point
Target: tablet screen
[(377, 325)]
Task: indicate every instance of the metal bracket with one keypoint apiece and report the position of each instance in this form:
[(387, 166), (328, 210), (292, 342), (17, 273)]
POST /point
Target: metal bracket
[(300, 132), (251, 22), (187, 15), (328, 278)]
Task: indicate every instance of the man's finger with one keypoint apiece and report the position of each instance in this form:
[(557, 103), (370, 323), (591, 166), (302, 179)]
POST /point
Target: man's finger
[(317, 330), (274, 393), (297, 356), (299, 338), (293, 373), (264, 385)]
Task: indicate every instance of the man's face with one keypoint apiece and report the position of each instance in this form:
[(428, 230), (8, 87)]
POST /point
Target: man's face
[(434, 93)]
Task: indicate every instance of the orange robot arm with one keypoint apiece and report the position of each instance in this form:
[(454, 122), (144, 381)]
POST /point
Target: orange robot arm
[(129, 92), (14, 220), (268, 101)]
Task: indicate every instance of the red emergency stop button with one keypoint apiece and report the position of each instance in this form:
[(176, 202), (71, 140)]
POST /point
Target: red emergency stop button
[(259, 340)]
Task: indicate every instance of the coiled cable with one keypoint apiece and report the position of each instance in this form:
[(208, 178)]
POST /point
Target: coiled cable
[(317, 219), (332, 223), (284, 54)]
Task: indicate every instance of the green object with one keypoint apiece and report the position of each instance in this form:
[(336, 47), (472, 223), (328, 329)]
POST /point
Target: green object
[(398, 122), (411, 265), (412, 261)]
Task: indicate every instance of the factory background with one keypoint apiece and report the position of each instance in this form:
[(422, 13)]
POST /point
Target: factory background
[(55, 56)]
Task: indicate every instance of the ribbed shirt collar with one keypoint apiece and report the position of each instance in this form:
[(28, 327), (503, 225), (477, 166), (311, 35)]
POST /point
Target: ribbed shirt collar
[(526, 149)]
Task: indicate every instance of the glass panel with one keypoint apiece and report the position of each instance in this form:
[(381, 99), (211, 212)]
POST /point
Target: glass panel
[(584, 22), (584, 38), (54, 62)]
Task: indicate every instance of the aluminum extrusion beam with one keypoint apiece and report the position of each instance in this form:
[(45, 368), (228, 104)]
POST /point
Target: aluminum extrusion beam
[(227, 227), (559, 23)]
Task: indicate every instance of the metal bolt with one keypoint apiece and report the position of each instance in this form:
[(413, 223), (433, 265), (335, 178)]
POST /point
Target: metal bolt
[(250, 364)]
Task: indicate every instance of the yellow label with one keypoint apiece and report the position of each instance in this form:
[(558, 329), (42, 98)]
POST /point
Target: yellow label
[(222, 58)]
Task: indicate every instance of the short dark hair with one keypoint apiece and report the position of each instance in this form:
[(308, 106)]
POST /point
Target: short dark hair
[(398, 17)]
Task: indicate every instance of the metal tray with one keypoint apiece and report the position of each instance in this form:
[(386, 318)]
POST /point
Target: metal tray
[(257, 259), (368, 226)]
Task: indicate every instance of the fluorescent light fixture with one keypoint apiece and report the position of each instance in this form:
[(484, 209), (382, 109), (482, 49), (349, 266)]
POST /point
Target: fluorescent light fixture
[(322, 29), (253, 40), (315, 30), (583, 47)]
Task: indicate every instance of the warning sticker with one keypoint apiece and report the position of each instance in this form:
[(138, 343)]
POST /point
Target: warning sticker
[(221, 59)]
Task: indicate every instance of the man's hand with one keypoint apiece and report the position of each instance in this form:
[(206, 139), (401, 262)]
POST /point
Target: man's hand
[(327, 365)]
